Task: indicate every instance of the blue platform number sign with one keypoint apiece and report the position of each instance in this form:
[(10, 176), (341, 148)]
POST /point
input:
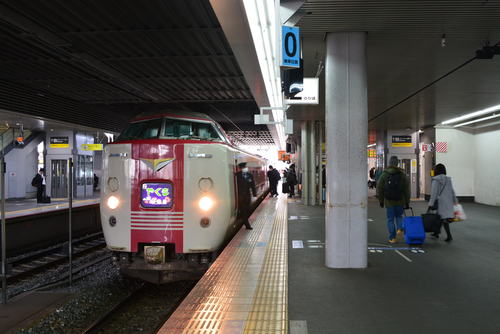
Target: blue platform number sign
[(291, 47)]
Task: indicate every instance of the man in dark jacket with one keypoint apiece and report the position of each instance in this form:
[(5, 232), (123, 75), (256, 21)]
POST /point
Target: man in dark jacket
[(393, 192), (246, 189), (39, 182), (291, 179), (274, 176)]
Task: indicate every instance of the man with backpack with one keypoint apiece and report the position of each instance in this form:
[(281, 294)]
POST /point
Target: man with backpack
[(39, 183), (393, 192)]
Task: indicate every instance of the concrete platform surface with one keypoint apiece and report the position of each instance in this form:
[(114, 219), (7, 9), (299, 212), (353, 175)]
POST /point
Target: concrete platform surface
[(26, 207), (437, 288)]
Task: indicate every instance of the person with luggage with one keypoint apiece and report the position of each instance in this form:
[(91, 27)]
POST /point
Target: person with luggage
[(443, 199), (393, 193), (291, 180), (246, 189), (39, 182), (274, 176)]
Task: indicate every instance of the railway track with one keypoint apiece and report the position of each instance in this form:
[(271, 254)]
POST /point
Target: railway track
[(144, 310), (24, 266)]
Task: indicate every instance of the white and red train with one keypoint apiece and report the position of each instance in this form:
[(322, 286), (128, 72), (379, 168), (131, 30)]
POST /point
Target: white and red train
[(169, 196)]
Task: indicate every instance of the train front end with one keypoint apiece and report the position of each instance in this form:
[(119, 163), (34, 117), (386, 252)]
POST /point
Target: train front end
[(165, 203)]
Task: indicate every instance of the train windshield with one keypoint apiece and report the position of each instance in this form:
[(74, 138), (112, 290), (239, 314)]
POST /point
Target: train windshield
[(186, 129), (171, 128)]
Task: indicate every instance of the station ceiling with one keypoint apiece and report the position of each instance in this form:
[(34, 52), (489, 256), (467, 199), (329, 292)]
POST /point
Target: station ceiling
[(98, 63), (409, 45)]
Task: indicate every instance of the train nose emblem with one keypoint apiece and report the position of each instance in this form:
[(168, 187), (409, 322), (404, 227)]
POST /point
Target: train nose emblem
[(157, 164)]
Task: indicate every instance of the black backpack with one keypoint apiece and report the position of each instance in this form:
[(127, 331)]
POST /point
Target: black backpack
[(36, 182), (394, 187)]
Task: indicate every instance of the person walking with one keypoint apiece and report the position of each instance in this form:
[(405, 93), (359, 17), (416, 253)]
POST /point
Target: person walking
[(274, 176), (246, 188), (291, 179), (442, 199), (393, 193), (39, 182)]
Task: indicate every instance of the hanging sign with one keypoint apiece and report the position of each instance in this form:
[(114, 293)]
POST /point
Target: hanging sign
[(91, 147), (59, 142), (401, 141), (309, 93), (290, 42)]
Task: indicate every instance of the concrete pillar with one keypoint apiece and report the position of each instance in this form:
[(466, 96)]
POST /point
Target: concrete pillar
[(346, 123), (305, 166), (320, 161), (312, 162)]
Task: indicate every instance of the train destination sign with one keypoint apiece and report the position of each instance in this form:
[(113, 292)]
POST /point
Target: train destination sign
[(157, 195)]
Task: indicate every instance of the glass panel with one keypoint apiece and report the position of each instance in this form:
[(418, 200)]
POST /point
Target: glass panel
[(142, 130), (190, 130)]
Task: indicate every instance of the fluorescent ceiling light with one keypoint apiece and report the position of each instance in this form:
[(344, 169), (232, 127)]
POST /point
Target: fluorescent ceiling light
[(263, 21), (486, 125), (477, 120), (472, 115), (371, 145)]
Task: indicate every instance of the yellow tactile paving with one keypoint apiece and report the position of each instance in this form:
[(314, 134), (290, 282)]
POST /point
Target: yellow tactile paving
[(245, 290)]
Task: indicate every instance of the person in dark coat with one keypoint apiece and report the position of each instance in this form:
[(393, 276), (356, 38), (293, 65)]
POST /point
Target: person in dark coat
[(443, 199), (291, 179), (393, 192), (246, 189), (274, 176), (39, 182)]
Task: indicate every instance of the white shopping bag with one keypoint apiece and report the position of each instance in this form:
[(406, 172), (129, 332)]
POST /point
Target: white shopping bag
[(459, 213)]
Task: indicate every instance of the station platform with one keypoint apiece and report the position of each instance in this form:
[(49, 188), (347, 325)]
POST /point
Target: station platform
[(27, 207), (245, 290), (273, 279)]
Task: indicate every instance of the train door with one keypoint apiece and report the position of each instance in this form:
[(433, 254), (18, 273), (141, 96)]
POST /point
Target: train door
[(59, 178)]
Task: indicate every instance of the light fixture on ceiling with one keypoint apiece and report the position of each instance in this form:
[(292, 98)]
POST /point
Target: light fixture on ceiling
[(484, 125), (263, 22), (472, 115), (477, 120), (371, 145), (420, 131)]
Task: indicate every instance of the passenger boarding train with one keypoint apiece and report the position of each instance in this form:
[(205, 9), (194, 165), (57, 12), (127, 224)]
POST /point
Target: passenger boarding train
[(169, 196)]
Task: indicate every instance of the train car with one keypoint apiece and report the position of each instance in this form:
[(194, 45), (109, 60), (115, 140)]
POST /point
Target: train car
[(169, 195)]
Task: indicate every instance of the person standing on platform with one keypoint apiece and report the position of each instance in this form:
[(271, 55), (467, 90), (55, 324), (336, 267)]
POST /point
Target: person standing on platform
[(442, 199), (246, 189), (274, 176), (291, 179), (393, 192), (39, 182)]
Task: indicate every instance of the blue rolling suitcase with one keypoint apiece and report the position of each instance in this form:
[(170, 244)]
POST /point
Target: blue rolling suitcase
[(414, 229)]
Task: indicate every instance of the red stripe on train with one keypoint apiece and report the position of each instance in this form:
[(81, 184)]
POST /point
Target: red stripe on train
[(142, 172)]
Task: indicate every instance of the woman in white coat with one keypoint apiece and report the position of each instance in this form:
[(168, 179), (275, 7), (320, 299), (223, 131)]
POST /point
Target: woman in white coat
[(443, 198)]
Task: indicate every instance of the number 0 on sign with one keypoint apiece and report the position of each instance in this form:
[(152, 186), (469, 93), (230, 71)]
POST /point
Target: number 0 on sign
[(290, 41)]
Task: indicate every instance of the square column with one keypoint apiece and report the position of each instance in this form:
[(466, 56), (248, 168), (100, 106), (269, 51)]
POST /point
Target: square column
[(346, 123)]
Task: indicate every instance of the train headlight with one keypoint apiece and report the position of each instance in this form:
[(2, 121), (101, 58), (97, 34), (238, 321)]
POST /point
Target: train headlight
[(206, 203), (113, 202)]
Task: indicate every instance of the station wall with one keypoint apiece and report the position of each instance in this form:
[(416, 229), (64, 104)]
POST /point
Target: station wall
[(487, 167), (472, 160), (459, 158), (21, 168)]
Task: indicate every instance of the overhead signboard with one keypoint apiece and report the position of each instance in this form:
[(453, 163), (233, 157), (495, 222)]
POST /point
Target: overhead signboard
[(59, 142), (401, 141), (290, 42), (91, 147), (309, 93)]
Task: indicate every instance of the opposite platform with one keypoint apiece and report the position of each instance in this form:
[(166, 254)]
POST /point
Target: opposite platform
[(245, 290)]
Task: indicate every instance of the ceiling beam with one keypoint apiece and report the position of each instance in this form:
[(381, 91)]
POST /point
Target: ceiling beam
[(61, 45)]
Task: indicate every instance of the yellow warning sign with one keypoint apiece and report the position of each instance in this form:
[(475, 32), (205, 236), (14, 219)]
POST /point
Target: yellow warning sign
[(402, 144), (91, 147), (59, 145)]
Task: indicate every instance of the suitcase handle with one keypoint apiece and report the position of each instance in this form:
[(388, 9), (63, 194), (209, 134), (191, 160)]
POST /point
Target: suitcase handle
[(410, 208)]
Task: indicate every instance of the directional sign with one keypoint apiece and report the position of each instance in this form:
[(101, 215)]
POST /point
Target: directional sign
[(91, 147), (290, 41)]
